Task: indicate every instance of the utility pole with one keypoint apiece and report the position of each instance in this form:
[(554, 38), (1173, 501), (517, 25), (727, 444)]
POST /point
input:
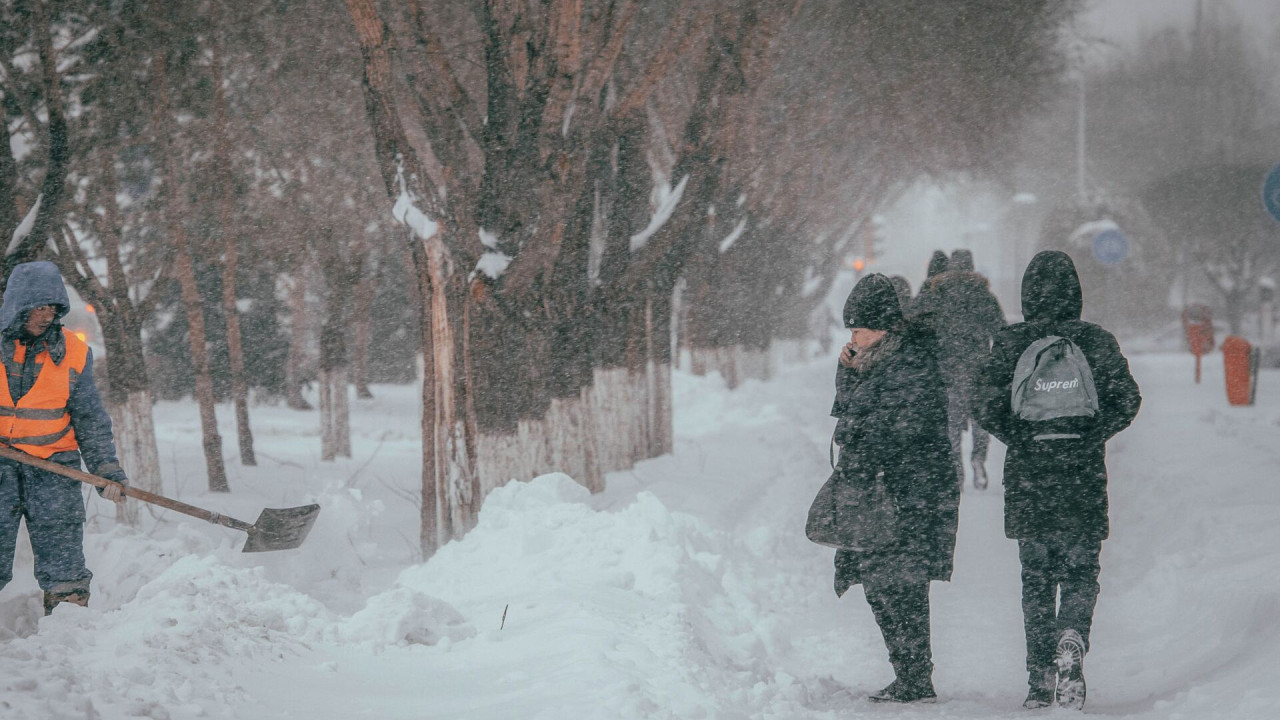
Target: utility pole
[(1080, 140)]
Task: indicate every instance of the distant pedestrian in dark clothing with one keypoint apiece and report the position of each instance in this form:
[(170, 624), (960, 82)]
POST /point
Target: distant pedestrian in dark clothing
[(903, 288), (937, 265), (892, 428), (965, 315), (1055, 476), (49, 408)]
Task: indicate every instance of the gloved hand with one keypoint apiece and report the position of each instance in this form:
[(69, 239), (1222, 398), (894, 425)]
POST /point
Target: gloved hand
[(116, 474)]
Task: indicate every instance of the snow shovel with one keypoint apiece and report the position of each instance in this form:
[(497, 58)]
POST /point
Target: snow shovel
[(276, 529)]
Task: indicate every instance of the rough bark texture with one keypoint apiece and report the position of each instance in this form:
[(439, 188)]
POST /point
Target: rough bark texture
[(447, 481), (184, 269), (297, 341), (230, 240), (362, 320)]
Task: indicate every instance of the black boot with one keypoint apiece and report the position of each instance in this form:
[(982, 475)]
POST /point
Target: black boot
[(75, 597), (900, 691), (1041, 684)]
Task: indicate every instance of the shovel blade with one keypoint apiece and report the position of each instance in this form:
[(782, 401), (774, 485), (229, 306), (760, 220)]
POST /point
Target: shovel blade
[(281, 528)]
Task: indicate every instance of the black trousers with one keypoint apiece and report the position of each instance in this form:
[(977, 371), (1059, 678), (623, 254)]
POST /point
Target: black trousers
[(901, 610), (1059, 591), (959, 419)]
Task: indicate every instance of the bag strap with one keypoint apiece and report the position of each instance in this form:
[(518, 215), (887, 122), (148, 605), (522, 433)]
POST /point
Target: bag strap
[(832, 451)]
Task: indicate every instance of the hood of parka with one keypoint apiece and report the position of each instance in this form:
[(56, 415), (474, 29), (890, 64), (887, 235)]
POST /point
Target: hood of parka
[(1051, 288), (32, 285)]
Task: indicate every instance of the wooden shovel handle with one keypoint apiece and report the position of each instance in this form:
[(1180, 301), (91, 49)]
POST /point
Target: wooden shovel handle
[(16, 455)]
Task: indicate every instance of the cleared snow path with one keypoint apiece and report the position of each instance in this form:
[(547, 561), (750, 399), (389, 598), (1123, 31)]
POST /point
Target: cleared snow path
[(686, 590)]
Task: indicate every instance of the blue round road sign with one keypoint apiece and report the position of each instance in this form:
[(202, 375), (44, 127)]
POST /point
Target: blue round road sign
[(1271, 192), (1110, 246)]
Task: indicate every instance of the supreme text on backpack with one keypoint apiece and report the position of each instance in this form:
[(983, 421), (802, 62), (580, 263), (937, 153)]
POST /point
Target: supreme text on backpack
[(1053, 381)]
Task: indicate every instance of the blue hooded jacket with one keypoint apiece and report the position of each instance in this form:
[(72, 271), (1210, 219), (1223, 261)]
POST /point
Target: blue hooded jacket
[(32, 285)]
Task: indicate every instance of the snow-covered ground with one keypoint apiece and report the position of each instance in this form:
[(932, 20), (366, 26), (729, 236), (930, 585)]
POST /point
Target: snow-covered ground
[(685, 590)]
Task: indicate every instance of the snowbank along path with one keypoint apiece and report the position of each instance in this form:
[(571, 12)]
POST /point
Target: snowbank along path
[(685, 590)]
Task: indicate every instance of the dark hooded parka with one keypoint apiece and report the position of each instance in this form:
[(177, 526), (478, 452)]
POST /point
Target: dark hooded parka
[(965, 315), (1055, 486), (892, 417)]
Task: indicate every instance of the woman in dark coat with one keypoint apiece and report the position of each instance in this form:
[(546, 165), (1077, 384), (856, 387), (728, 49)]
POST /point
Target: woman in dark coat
[(891, 405)]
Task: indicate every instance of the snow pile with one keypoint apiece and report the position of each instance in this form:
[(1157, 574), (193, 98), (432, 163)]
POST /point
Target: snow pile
[(405, 617), (633, 612), (173, 648)]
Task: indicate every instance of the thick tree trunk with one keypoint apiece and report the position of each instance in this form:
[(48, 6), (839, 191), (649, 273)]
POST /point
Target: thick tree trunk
[(128, 401), (447, 479), (222, 146), (297, 342), (453, 466), (135, 434), (185, 270)]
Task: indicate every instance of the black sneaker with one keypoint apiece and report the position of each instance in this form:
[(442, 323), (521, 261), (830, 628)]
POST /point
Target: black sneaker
[(1040, 691), (900, 692), (1070, 661)]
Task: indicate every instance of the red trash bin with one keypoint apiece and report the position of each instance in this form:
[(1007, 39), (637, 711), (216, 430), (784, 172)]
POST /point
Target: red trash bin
[(1240, 364)]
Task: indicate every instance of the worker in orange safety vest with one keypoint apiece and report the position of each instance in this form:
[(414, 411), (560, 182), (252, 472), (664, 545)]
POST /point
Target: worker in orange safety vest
[(49, 408)]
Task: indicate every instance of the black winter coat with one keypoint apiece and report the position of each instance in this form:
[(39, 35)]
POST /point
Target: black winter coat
[(965, 316), (892, 417), (1055, 486)]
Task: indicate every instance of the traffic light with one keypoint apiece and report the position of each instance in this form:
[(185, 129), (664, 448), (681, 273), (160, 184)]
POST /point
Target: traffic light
[(875, 238)]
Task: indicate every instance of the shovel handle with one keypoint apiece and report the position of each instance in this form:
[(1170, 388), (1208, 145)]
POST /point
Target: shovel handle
[(16, 455)]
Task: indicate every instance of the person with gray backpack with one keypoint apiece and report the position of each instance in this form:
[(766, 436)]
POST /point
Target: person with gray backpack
[(1054, 389)]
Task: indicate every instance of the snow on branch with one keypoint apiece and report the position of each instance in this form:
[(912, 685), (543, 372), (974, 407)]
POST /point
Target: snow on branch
[(24, 227), (728, 242), (493, 262), (407, 213), (666, 208)]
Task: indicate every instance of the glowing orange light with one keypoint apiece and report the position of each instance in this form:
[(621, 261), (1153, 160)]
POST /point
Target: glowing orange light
[(859, 264), (89, 309), (81, 336)]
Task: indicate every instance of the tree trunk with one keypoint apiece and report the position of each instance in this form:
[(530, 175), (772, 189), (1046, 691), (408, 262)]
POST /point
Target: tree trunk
[(362, 320), (335, 416), (186, 273), (453, 467), (129, 403), (297, 342), (32, 246), (222, 145), (447, 479)]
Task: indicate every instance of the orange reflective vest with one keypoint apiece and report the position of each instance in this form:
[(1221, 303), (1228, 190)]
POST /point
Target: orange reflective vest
[(39, 423)]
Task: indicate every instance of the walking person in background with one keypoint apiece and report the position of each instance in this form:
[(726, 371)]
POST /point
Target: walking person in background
[(1054, 389), (49, 408), (892, 421), (937, 265), (965, 316), (903, 287)]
